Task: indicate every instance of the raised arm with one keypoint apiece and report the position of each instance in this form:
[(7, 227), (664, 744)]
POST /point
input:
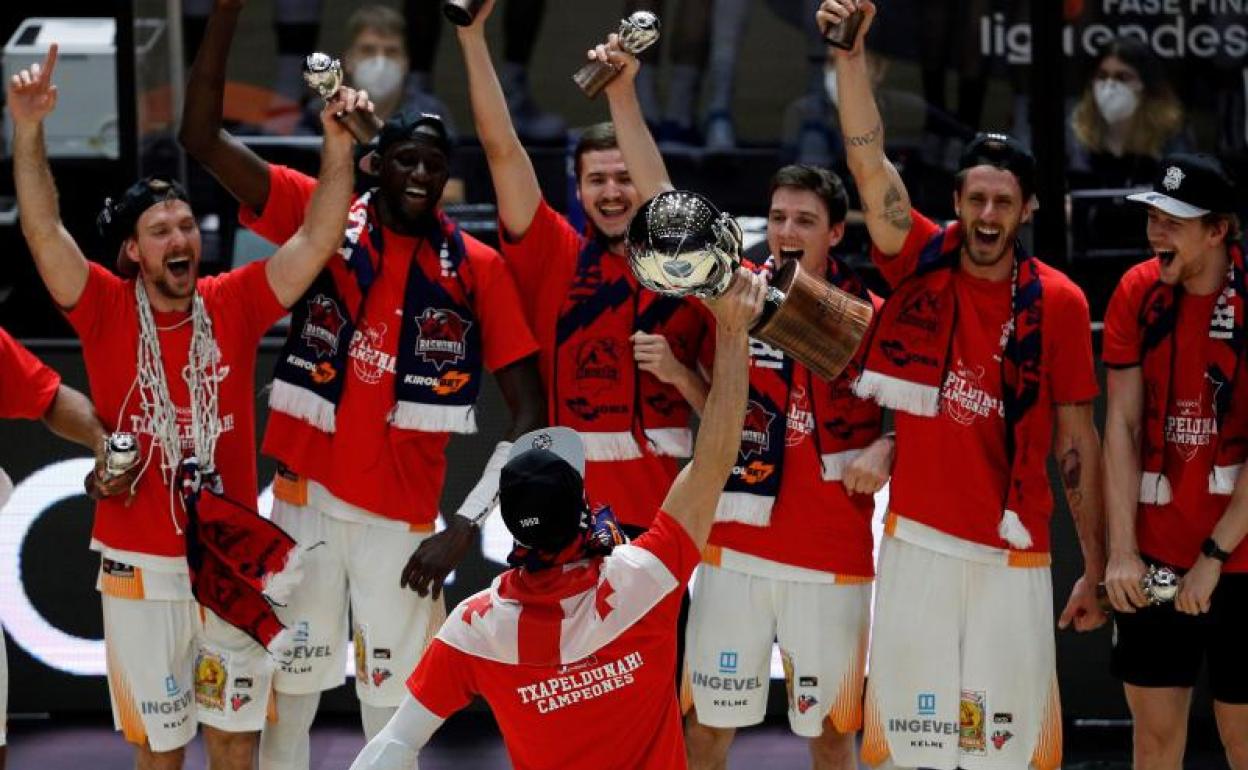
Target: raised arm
[(1078, 450), (1124, 418), (641, 155), (885, 201), (297, 263), (511, 169), (61, 265), (695, 493), (235, 166)]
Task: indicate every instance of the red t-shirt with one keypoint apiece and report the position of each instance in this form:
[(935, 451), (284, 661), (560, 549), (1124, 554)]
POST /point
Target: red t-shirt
[(814, 523), (966, 499), (614, 707), (543, 262), (389, 471), (242, 306), (1172, 533), (27, 385)]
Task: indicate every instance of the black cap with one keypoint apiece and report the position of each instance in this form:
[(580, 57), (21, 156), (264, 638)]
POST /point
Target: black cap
[(1190, 185), (541, 489), (1004, 152), (117, 219), (421, 126)]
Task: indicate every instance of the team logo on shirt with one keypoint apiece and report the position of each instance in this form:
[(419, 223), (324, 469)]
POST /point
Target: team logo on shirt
[(999, 738), (323, 326), (368, 359), (1189, 427), (441, 337), (755, 434), (964, 398)]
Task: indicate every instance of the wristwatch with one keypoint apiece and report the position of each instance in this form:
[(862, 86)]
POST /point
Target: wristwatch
[(1210, 548)]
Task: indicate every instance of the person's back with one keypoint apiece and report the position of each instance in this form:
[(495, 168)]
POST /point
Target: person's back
[(585, 653)]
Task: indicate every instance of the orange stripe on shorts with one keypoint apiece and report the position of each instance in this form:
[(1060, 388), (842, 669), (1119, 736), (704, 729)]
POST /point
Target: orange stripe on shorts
[(713, 555), (846, 713), (127, 586), (874, 741), (132, 728), (1048, 751)]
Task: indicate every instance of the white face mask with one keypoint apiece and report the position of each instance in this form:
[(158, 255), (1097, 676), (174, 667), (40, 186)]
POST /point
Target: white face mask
[(379, 75), (1116, 101)]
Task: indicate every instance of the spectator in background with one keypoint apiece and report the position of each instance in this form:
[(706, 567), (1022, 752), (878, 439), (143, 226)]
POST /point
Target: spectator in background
[(522, 22), (375, 60), (1126, 120)]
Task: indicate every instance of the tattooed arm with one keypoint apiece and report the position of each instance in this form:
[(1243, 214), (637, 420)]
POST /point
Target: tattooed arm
[(1078, 450), (885, 201)]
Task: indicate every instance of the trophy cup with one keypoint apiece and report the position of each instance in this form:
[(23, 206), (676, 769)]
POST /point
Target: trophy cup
[(323, 74), (461, 13), (844, 34), (637, 33), (121, 453), (1160, 585), (680, 244)]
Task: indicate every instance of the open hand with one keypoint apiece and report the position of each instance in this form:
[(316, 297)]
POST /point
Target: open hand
[(436, 556), (1082, 609)]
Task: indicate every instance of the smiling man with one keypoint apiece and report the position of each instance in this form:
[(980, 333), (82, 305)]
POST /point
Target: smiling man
[(616, 359), (170, 356), (982, 350), (1175, 434), (384, 361)]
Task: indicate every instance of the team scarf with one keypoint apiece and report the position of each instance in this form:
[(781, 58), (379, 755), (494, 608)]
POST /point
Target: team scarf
[(241, 564), (907, 358), (843, 424), (438, 368), (592, 344), (1158, 317)]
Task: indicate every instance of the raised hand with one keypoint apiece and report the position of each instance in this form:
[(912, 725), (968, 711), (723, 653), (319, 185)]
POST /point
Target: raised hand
[(344, 101), (31, 94), (832, 12), (612, 54)]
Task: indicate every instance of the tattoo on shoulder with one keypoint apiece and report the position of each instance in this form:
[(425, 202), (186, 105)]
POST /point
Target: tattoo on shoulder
[(896, 211), (863, 140)]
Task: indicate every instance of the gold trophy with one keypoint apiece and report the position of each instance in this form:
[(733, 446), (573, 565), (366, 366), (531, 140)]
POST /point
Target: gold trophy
[(637, 33), (679, 244), (323, 74)]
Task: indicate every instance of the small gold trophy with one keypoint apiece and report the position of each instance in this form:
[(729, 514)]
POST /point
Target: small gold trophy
[(323, 74)]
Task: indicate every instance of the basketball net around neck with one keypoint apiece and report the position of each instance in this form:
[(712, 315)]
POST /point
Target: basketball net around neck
[(156, 406)]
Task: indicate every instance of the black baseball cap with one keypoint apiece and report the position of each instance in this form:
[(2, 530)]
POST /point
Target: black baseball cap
[(116, 221), (541, 490), (1190, 185), (1004, 152), (419, 126)]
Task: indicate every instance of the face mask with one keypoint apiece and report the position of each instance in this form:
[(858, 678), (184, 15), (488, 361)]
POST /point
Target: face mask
[(1116, 101), (380, 76)]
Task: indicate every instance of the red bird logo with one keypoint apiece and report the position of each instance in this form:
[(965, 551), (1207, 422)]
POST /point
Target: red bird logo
[(323, 328), (441, 336)]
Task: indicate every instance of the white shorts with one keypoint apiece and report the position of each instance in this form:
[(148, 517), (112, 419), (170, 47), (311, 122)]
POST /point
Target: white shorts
[(171, 667), (151, 646), (822, 630), (233, 678), (963, 666), (359, 563)]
